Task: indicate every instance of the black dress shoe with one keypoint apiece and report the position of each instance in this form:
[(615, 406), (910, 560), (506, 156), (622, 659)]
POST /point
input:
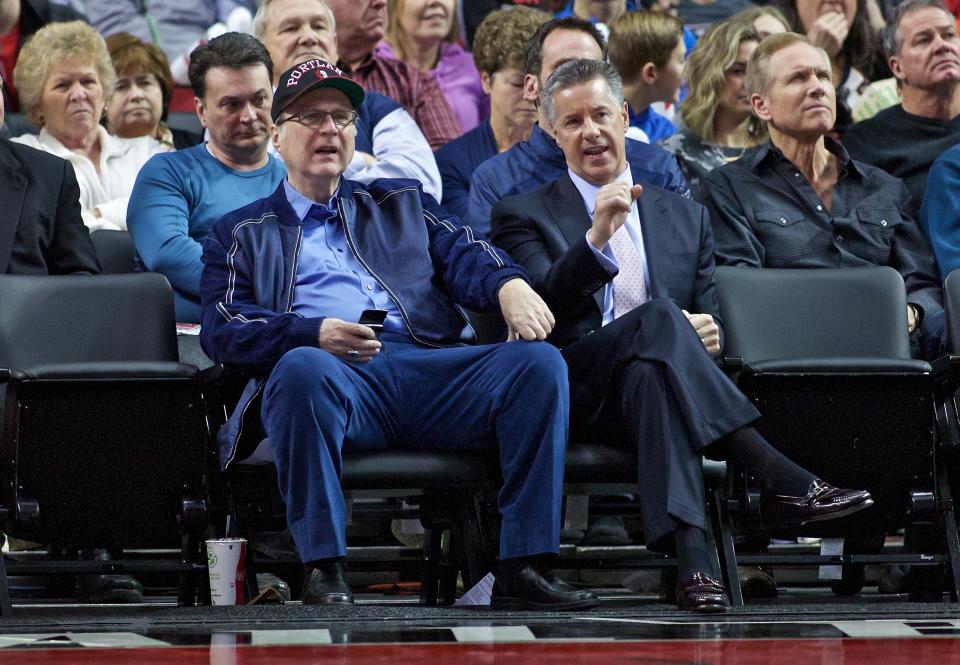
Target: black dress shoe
[(327, 586), (702, 593), (528, 589), (821, 502)]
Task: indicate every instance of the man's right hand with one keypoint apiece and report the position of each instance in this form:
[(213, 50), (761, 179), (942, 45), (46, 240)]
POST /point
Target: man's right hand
[(613, 205), (829, 32), (340, 337)]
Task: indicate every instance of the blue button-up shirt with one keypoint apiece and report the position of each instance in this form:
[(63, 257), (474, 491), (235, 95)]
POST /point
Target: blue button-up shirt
[(331, 281), (588, 192)]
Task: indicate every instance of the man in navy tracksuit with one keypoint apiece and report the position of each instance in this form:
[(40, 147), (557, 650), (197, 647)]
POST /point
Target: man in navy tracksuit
[(284, 279)]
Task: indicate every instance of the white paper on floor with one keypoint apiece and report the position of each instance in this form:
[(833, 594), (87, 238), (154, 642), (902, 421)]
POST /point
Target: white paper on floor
[(479, 593)]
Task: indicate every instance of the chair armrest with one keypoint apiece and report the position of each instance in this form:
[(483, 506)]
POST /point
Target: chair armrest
[(731, 364), (212, 374), (841, 365), (946, 371), (106, 371)]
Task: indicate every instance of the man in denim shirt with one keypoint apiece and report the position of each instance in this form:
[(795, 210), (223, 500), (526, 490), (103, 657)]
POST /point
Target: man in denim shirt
[(799, 201), (286, 278)]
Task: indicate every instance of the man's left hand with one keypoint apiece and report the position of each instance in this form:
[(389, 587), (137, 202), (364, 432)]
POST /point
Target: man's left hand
[(525, 313), (707, 330)]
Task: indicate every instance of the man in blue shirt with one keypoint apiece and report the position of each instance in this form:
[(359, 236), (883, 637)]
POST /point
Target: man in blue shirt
[(539, 160), (179, 195), (284, 280)]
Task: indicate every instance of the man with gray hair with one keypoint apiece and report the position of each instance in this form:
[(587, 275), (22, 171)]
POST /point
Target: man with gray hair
[(923, 51), (800, 201), (628, 271), (389, 143)]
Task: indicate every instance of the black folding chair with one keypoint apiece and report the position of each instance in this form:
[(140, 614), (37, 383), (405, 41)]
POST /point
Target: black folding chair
[(114, 250), (104, 431), (825, 356)]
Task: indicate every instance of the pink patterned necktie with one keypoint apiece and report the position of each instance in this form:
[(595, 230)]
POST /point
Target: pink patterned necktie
[(629, 288)]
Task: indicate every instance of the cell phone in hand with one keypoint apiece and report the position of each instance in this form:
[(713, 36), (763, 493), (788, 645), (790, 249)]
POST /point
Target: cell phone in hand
[(374, 319)]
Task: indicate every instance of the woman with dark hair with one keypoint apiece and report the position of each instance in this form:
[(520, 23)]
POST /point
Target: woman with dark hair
[(142, 93), (842, 29), (498, 51)]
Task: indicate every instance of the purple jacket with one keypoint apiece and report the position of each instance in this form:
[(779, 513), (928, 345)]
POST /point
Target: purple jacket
[(459, 81)]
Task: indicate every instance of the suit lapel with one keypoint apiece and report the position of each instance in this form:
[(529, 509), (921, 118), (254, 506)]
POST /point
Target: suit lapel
[(565, 205), (13, 189)]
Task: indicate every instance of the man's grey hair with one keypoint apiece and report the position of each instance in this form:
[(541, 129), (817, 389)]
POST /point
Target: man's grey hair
[(577, 72), (892, 37), (260, 18)]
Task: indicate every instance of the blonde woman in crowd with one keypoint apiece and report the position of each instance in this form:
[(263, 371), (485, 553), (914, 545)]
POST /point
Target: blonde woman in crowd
[(718, 123), (426, 34), (65, 79)]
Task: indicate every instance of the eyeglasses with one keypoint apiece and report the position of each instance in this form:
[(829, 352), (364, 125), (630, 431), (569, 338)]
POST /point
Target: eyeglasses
[(312, 118)]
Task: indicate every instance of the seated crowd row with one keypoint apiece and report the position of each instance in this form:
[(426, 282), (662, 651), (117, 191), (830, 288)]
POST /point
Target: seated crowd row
[(314, 198)]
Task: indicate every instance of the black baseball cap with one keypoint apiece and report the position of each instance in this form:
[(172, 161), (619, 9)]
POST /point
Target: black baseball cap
[(311, 75)]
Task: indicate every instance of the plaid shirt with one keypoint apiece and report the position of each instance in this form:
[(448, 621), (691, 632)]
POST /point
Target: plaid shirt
[(414, 90)]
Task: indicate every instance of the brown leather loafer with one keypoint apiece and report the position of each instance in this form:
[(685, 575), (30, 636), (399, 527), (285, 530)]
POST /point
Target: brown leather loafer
[(702, 593), (821, 502)]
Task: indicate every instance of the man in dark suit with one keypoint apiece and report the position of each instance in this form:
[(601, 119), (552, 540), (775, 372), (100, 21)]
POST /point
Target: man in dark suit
[(628, 274), (41, 231)]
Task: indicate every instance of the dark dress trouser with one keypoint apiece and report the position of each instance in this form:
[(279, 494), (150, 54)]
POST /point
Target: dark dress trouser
[(318, 407), (647, 380)]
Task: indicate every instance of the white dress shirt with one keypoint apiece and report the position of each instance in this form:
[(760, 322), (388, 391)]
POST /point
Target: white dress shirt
[(588, 192)]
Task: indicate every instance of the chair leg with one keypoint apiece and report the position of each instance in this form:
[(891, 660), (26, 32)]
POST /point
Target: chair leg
[(725, 550), (948, 515), (189, 581), (430, 580), (6, 609)]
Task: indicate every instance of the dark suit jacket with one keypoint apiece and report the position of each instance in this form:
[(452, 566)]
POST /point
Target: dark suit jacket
[(41, 231), (545, 232)]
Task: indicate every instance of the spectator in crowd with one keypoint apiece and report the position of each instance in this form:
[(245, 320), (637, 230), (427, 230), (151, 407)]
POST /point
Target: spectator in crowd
[(765, 19), (65, 77), (599, 12), (173, 25), (539, 159), (703, 13), (475, 11), (425, 34), (388, 143), (800, 201), (41, 230), (141, 97), (361, 24), (940, 212), (648, 52), (498, 51), (718, 122), (843, 30), (637, 314), (179, 195), (923, 51), (19, 20), (280, 296)]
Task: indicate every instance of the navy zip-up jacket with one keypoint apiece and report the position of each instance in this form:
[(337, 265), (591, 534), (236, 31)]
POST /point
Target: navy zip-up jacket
[(420, 254)]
